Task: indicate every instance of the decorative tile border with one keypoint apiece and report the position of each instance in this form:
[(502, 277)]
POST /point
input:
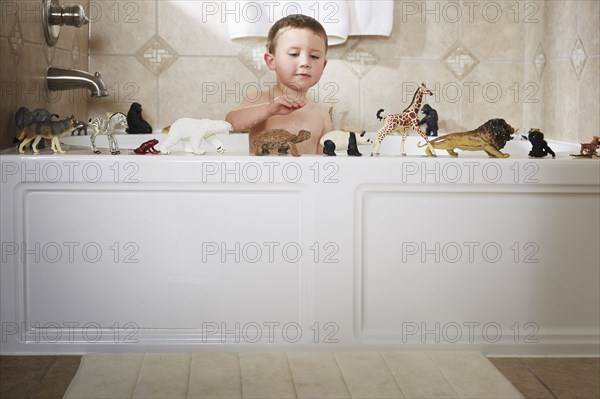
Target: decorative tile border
[(157, 55), (460, 61), (539, 61), (579, 57)]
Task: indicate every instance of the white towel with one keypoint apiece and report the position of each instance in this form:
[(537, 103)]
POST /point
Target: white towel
[(249, 21)]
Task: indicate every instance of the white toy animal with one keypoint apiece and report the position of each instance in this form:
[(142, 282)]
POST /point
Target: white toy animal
[(192, 131), (341, 140)]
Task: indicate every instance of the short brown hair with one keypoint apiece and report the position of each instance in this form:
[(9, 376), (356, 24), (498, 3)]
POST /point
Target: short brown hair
[(294, 21)]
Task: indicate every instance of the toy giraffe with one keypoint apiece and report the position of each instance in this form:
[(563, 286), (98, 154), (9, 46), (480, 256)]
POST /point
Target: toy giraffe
[(405, 120)]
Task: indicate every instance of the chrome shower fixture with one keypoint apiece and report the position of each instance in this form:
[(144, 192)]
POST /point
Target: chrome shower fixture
[(54, 16)]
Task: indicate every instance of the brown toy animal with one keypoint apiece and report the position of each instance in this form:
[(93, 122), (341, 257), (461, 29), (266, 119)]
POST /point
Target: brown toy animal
[(490, 137), (280, 139), (53, 130), (591, 147)]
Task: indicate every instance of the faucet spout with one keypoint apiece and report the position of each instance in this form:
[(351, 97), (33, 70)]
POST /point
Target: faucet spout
[(66, 79)]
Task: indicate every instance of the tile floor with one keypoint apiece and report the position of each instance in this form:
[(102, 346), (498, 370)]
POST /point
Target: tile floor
[(48, 377)]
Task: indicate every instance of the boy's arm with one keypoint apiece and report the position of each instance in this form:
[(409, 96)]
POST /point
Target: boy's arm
[(249, 115)]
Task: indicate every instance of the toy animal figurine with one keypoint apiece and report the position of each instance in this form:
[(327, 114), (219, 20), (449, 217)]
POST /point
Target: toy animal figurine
[(407, 119), (192, 131), (53, 130), (24, 117), (430, 119), (540, 147), (590, 149), (279, 139), (490, 137), (147, 148), (82, 127), (342, 140), (135, 121), (108, 127)]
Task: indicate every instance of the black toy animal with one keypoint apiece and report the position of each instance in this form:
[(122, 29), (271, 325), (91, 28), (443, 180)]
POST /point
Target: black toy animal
[(540, 147), (430, 119), (135, 121)]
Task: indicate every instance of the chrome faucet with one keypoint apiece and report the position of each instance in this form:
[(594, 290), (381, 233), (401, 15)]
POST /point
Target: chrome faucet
[(66, 79)]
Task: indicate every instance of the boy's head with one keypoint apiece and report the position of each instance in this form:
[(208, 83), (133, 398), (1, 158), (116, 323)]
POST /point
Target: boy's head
[(294, 21)]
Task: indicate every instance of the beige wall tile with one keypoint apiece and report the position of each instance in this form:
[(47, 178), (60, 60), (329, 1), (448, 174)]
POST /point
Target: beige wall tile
[(588, 26), (494, 30), (128, 81), (589, 94), (193, 87), (29, 12), (121, 27), (8, 99), (196, 27), (560, 102), (560, 24), (498, 91), (424, 30)]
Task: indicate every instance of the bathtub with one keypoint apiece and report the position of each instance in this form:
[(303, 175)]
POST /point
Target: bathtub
[(241, 253)]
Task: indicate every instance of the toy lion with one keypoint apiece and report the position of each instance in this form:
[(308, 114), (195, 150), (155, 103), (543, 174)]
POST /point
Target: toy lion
[(490, 137)]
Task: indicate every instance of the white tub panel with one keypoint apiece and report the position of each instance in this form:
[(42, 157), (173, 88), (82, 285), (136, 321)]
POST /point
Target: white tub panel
[(445, 259), (178, 266)]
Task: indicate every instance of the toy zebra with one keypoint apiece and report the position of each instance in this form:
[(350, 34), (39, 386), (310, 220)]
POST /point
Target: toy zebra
[(107, 126)]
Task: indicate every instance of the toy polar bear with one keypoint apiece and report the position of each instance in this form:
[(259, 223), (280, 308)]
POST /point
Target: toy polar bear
[(192, 131), (341, 140)]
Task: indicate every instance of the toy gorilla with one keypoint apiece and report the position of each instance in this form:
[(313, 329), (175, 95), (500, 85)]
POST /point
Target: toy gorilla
[(539, 145), (431, 119), (135, 122)]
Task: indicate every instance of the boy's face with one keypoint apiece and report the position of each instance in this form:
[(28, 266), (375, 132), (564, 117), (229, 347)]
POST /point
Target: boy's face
[(299, 59)]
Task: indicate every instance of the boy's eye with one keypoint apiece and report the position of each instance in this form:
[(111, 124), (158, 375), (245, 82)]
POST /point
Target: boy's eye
[(293, 54), (315, 57)]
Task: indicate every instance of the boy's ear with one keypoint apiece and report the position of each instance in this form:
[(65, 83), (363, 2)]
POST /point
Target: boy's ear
[(325, 63), (270, 61)]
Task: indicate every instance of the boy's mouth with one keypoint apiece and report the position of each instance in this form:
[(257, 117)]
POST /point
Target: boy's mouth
[(303, 75)]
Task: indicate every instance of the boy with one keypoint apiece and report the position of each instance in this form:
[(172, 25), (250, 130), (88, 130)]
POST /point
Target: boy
[(296, 50)]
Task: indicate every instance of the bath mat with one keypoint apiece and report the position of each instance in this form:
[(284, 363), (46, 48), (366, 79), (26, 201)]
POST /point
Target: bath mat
[(318, 375)]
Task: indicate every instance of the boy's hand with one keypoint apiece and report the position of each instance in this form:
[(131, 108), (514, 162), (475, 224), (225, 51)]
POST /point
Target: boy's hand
[(282, 106)]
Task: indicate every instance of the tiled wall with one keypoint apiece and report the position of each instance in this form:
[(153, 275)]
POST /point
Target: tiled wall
[(23, 62), (534, 63)]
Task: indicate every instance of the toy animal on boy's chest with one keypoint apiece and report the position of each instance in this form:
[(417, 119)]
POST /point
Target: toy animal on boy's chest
[(341, 140), (192, 131)]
